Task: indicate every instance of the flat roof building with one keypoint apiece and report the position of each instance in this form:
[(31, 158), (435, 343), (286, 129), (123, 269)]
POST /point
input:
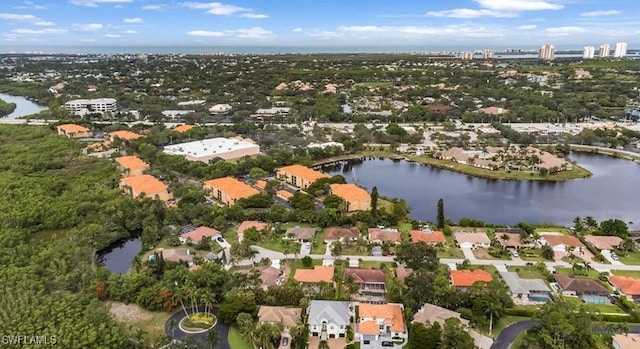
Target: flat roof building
[(98, 105), (209, 149), (228, 190), (74, 131)]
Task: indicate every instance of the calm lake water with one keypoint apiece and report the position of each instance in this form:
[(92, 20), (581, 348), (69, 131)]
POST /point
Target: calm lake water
[(612, 192), (24, 106), (119, 257)]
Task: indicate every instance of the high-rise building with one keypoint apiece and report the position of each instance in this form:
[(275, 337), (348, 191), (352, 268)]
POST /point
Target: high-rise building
[(589, 52), (466, 55), (605, 50), (487, 54), (621, 50), (547, 52)]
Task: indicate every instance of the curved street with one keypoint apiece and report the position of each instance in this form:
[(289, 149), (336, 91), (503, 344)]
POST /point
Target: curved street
[(178, 334)]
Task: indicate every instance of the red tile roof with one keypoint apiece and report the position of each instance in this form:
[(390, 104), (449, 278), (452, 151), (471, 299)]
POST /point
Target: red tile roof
[(251, 224), (384, 235), (317, 274), (350, 192), (629, 286), (391, 313), (303, 172), (232, 187), (199, 233), (183, 128), (432, 237), (466, 278), (335, 233), (132, 162), (124, 135), (604, 242), (555, 240), (361, 275)]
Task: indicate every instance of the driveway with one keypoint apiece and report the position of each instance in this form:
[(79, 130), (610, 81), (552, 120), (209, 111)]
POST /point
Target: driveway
[(607, 254), (178, 334), (468, 254), (262, 253), (305, 248)]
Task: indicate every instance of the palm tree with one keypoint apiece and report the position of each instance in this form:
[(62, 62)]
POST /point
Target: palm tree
[(172, 326), (212, 338)]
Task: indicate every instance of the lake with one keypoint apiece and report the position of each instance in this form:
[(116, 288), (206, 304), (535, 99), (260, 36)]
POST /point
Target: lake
[(612, 192), (119, 256), (24, 106)]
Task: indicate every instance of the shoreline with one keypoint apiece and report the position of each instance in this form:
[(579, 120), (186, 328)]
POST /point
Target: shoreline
[(577, 172), (616, 153)]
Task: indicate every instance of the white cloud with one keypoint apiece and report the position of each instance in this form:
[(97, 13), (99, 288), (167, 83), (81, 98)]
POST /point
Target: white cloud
[(519, 5), (298, 30), (254, 15), (153, 7), (113, 36), (95, 3), (39, 31), (470, 13), (527, 27), (12, 17), (600, 13), (460, 31), (130, 31), (44, 23), (252, 33), (88, 40), (29, 5), (205, 33), (133, 20), (564, 31), (215, 8), (89, 26)]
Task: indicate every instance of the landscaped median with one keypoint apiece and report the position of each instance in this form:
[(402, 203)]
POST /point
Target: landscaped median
[(198, 322)]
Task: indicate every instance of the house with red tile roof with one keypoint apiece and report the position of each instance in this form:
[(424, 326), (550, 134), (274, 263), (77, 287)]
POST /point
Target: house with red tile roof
[(183, 128), (74, 131), (379, 322), (147, 186), (131, 165), (463, 279), (590, 291), (257, 225), (123, 135), (312, 278), (284, 195), (559, 242), (341, 233), (228, 190), (604, 243), (390, 235), (492, 111), (357, 199), (300, 176), (198, 234), (428, 236), (629, 286), (370, 281)]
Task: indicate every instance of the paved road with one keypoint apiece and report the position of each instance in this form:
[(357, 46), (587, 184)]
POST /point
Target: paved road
[(177, 333)]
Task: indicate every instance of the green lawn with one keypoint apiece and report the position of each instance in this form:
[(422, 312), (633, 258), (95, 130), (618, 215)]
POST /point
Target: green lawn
[(527, 271), (564, 231), (631, 258), (277, 243), (297, 264), (590, 274), (531, 254), (602, 308), (503, 322), (236, 341), (153, 327), (629, 273), (375, 264), (318, 246), (489, 268), (450, 250)]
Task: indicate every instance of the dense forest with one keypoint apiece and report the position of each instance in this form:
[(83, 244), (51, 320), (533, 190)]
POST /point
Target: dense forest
[(56, 208), (6, 108)]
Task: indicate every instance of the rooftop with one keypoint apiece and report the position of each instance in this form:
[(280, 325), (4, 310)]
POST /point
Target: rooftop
[(232, 187), (518, 285), (555, 240), (132, 162), (475, 238), (284, 194), (350, 192), (207, 147), (301, 233), (251, 224), (512, 239), (389, 235), (199, 233), (427, 236), (430, 314), (183, 128), (391, 313), (303, 172), (362, 275), (331, 311), (145, 183), (569, 283), (335, 233), (72, 128), (288, 317), (125, 135), (627, 285), (604, 242), (317, 274), (628, 341), (466, 278)]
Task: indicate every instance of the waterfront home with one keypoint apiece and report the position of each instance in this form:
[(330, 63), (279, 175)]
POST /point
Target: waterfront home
[(379, 322), (228, 190), (379, 236), (311, 279), (430, 314), (604, 243), (299, 176), (590, 291), (428, 236), (145, 186), (535, 290), (74, 131), (195, 236), (628, 286), (472, 240), (300, 234), (341, 233), (370, 281), (462, 280), (329, 319), (287, 317), (357, 199), (177, 255), (131, 165)]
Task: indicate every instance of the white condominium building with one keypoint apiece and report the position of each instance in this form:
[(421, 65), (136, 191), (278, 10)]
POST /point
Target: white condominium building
[(621, 50), (605, 50), (589, 52), (547, 52), (98, 105)]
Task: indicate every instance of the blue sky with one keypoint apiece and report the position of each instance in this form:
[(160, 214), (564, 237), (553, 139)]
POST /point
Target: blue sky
[(462, 24)]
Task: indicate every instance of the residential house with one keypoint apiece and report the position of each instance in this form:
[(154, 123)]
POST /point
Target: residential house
[(300, 234), (74, 131), (625, 341), (177, 255), (183, 128), (287, 317), (604, 243), (379, 322), (492, 111), (198, 234), (535, 290), (228, 190), (312, 278), (131, 165), (512, 241), (300, 176), (628, 286), (403, 272), (370, 281), (284, 194), (329, 319), (559, 242), (147, 186), (341, 233), (428, 236), (430, 314), (390, 235), (259, 226), (463, 279), (357, 199), (590, 291), (123, 135), (472, 240)]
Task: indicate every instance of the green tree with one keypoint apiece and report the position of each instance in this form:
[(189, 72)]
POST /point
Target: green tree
[(374, 201), (302, 201), (213, 338), (417, 256), (614, 227), (440, 214), (454, 336)]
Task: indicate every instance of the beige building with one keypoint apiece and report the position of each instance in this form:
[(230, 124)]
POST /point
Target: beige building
[(74, 131), (147, 186), (300, 176), (131, 165), (228, 190), (357, 198)]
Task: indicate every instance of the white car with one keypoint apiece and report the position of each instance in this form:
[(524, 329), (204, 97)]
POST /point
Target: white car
[(515, 254)]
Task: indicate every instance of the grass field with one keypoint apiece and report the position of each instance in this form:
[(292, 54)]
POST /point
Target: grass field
[(318, 246), (602, 308), (236, 341), (631, 258), (527, 271), (590, 274), (629, 273)]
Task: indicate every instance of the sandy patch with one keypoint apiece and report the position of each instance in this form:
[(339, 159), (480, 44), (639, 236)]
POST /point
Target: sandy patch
[(128, 312)]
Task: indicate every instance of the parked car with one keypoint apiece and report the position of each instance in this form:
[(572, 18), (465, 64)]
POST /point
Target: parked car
[(515, 254), (285, 341), (387, 344)]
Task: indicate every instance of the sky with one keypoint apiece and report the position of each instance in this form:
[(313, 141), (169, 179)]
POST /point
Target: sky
[(430, 24)]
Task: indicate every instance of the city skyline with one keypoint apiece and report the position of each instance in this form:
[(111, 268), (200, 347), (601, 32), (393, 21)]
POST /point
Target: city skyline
[(461, 24)]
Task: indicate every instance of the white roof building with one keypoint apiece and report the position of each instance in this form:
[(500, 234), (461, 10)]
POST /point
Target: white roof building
[(324, 145), (194, 102), (98, 105), (220, 109), (209, 149), (173, 114)]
